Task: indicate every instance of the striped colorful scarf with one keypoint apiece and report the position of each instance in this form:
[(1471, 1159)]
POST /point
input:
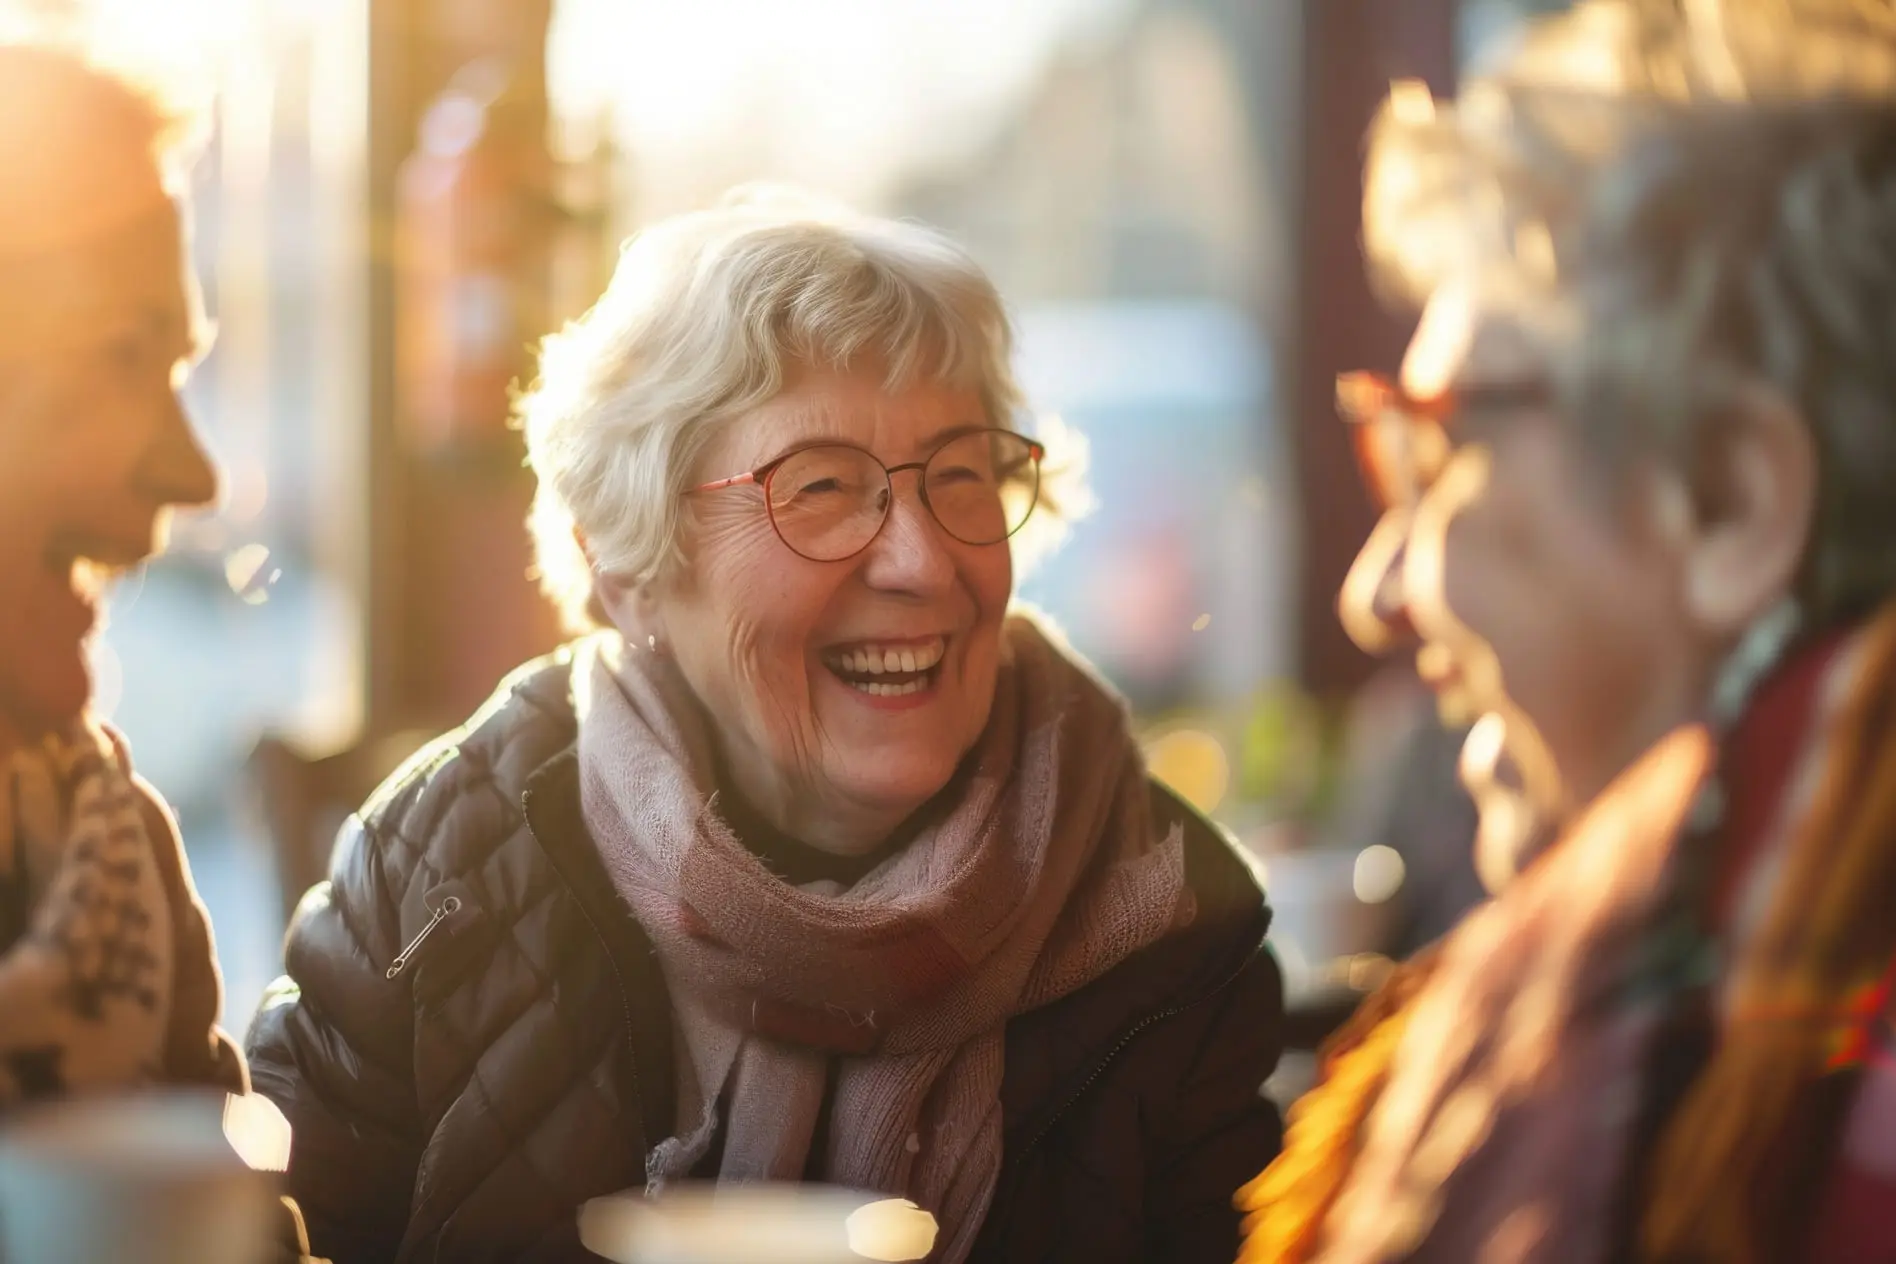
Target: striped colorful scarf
[(1429, 1139)]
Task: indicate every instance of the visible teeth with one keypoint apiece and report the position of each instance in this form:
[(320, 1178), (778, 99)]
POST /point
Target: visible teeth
[(877, 660), (883, 689)]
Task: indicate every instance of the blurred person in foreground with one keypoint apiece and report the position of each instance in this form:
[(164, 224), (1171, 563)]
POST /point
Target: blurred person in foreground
[(1638, 473), (107, 975), (813, 861)]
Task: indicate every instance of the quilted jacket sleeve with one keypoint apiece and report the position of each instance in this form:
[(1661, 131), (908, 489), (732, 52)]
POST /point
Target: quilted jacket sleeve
[(332, 1047), (1221, 1130)]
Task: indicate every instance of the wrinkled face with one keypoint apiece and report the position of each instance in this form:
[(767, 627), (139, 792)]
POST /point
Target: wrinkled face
[(843, 694), (94, 447), (1544, 589)]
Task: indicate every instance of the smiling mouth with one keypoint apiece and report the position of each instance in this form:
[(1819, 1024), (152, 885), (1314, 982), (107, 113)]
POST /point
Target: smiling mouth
[(95, 560), (888, 669), (1456, 700)]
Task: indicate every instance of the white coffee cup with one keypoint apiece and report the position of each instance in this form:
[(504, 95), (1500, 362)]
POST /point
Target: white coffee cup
[(756, 1224), (143, 1179)]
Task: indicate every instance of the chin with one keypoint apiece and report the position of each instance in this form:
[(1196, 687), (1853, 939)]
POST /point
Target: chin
[(46, 703), (902, 786)]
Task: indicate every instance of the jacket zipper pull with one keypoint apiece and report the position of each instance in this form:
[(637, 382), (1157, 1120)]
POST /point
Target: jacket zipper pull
[(449, 907)]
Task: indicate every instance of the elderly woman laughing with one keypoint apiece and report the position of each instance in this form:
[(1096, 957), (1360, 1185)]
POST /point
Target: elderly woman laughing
[(810, 861)]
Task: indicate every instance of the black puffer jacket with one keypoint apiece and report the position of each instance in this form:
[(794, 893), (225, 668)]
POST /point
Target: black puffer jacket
[(519, 1061)]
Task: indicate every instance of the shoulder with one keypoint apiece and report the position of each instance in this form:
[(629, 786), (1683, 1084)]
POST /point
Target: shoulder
[(1221, 952), (464, 787), (1222, 878), (1221, 949)]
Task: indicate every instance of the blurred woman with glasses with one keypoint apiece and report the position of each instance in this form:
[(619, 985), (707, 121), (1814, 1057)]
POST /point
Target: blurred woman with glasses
[(811, 860), (1638, 476)]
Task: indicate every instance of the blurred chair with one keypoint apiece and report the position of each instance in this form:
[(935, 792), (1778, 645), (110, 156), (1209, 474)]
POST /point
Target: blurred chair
[(304, 800)]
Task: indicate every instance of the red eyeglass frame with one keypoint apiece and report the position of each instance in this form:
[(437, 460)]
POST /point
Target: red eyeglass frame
[(762, 475), (1368, 401)]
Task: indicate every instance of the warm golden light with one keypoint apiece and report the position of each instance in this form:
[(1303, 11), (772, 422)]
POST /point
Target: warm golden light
[(1357, 603), (1534, 248), (1192, 763), (755, 1224), (1441, 341), (892, 1230), (1411, 103), (257, 1131)]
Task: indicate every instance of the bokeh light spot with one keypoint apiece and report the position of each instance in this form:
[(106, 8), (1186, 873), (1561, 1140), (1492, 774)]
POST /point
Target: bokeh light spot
[(1378, 875), (1194, 764)]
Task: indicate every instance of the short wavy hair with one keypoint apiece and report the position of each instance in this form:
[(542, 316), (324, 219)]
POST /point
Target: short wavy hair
[(706, 316), (1681, 199)]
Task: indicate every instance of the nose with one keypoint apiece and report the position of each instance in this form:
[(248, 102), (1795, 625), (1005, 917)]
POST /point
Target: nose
[(1374, 602), (910, 554), (174, 468), (1391, 600)]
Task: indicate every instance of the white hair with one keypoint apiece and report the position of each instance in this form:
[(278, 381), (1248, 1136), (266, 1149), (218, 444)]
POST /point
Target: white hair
[(705, 316)]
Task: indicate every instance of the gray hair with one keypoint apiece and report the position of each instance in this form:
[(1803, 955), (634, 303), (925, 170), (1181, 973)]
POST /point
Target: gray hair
[(705, 316), (1682, 198)]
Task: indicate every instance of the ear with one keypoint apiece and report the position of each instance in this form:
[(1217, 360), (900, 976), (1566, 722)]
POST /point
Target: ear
[(632, 606), (1755, 494)]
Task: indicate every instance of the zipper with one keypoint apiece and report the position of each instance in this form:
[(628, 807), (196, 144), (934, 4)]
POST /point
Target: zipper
[(625, 1000), (1126, 1038), (449, 907)]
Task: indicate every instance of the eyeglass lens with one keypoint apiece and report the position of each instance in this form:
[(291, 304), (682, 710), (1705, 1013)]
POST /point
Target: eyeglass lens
[(829, 501)]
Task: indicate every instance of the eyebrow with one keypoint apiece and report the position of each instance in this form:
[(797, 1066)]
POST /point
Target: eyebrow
[(948, 434), (927, 443)]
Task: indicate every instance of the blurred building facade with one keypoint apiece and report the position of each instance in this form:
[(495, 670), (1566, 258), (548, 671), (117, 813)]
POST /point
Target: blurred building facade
[(1131, 212)]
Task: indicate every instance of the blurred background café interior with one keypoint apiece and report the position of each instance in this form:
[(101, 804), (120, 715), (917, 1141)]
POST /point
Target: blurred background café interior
[(396, 198)]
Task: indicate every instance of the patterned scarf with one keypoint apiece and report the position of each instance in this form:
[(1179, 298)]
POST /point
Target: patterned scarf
[(1043, 874), (85, 927)]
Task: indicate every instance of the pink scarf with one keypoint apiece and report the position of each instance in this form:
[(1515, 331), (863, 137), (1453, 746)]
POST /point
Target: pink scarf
[(1042, 876)]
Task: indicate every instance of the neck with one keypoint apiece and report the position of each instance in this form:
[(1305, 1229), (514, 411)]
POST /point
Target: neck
[(831, 824), (836, 828)]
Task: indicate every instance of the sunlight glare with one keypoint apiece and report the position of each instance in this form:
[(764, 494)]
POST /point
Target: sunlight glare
[(1378, 874), (891, 1230), (1194, 764), (1441, 342), (257, 1130)]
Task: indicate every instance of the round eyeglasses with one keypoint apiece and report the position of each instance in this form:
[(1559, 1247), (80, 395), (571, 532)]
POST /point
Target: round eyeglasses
[(828, 501)]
